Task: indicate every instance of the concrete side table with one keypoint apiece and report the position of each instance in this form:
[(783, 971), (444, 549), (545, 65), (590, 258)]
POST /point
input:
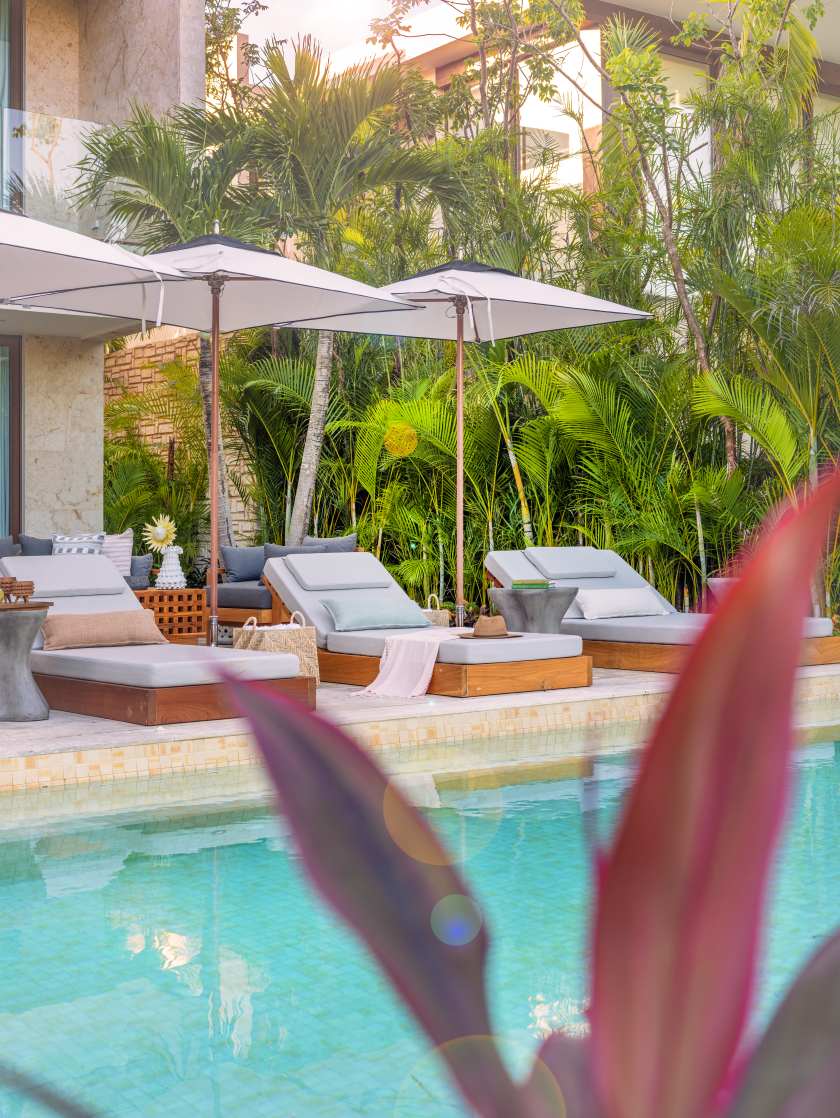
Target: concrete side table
[(20, 697), (533, 611)]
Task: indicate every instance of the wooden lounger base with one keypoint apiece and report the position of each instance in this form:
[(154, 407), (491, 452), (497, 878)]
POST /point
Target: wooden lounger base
[(669, 658), (465, 681), (157, 706)]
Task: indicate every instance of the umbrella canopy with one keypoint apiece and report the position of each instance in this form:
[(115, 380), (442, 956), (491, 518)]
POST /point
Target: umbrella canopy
[(260, 288), (217, 284), (465, 301), (499, 304), (36, 256)]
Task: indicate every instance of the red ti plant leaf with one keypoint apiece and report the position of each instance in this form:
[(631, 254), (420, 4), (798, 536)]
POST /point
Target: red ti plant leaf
[(382, 868), (795, 1072), (682, 889)]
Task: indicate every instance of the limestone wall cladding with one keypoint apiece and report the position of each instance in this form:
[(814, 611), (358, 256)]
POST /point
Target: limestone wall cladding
[(151, 51), (62, 435), (89, 59), (139, 367)]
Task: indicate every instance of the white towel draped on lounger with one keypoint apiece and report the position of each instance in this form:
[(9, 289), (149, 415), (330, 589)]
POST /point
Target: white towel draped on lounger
[(407, 663)]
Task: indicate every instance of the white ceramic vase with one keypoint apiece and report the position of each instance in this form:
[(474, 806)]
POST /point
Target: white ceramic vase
[(170, 576)]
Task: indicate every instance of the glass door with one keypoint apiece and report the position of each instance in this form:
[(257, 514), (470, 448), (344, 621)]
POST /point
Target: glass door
[(10, 436)]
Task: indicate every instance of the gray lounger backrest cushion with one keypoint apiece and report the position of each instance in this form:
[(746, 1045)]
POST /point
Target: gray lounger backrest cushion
[(505, 566), (344, 572), (339, 570)]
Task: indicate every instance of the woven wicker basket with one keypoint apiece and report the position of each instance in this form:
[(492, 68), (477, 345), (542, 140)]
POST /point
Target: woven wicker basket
[(439, 617), (297, 638)]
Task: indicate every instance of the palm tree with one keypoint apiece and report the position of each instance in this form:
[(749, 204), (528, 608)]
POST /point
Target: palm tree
[(167, 180), (324, 141)]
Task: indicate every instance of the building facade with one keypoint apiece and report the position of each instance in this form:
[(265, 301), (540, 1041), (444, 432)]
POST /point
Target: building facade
[(439, 47), (65, 67)]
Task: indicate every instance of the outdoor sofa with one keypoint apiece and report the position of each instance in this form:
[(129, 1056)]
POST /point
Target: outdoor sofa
[(358, 583), (146, 684), (654, 638)]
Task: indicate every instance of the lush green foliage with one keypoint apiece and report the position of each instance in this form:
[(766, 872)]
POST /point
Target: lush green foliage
[(668, 440)]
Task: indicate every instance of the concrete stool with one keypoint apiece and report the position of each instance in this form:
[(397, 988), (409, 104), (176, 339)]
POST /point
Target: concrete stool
[(533, 611), (20, 697)]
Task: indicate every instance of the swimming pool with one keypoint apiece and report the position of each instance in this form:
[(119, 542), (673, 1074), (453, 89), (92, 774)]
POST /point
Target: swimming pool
[(178, 966)]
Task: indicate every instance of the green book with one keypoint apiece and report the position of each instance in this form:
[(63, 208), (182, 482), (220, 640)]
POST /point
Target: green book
[(529, 584)]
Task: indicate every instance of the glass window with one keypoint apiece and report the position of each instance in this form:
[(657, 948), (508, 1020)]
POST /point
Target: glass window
[(5, 440)]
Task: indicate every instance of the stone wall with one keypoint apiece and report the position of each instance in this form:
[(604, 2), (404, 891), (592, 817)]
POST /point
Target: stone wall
[(137, 368), (62, 435), (90, 59)]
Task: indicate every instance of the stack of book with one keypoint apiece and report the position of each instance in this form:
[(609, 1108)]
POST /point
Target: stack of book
[(529, 584)]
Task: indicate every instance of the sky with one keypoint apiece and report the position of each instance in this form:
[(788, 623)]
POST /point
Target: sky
[(336, 23)]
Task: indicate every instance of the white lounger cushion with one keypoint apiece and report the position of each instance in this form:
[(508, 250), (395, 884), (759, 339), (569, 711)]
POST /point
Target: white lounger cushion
[(630, 602), (674, 628), (534, 646), (355, 570), (163, 665), (572, 562), (66, 576)]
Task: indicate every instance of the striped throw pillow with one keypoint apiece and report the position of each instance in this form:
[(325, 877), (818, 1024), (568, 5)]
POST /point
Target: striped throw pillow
[(86, 543), (118, 549)]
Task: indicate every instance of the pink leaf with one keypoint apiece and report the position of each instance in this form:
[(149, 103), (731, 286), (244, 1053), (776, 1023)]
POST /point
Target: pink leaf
[(380, 865), (795, 1072), (682, 891), (561, 1082)]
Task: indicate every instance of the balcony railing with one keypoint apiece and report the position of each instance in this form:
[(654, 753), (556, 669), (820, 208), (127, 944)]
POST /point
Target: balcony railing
[(39, 157)]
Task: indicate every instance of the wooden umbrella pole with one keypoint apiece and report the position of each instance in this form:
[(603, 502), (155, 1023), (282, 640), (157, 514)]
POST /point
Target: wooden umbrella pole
[(460, 308), (216, 287)]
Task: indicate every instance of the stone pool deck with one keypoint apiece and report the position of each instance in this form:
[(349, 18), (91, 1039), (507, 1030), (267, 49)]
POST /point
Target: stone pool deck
[(433, 736)]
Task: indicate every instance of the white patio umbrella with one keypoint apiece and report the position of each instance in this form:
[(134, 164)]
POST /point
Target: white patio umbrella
[(462, 301), (34, 255), (215, 284)]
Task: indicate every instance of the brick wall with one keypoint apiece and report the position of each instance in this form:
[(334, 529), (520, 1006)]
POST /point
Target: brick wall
[(137, 368)]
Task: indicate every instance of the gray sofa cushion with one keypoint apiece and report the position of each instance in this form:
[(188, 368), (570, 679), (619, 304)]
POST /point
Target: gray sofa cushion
[(244, 595), (32, 545), (163, 665), (333, 543), (8, 547), (338, 571), (368, 609), (141, 572), (242, 564), (281, 550), (534, 646)]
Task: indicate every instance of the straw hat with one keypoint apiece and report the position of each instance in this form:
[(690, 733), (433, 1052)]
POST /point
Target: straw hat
[(489, 628)]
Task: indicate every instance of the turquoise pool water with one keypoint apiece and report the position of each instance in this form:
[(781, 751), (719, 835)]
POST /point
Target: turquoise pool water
[(179, 966)]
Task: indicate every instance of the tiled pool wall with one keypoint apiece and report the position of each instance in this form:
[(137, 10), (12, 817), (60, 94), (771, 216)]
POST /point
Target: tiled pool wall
[(471, 741)]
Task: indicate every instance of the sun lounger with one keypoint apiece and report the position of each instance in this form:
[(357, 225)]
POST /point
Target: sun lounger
[(146, 684), (657, 642), (535, 662)]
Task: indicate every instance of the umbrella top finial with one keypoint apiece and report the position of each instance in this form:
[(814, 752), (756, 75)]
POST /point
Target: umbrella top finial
[(217, 229)]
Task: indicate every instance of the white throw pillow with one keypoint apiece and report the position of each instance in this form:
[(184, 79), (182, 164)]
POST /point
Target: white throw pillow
[(598, 604), (85, 543), (118, 549)]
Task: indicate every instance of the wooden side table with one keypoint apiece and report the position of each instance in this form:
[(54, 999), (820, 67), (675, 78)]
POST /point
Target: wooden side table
[(20, 697), (181, 615)]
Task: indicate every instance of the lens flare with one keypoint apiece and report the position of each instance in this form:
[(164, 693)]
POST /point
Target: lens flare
[(456, 920)]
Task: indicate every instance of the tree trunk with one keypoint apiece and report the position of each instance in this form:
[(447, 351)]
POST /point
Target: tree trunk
[(205, 380), (314, 441)]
